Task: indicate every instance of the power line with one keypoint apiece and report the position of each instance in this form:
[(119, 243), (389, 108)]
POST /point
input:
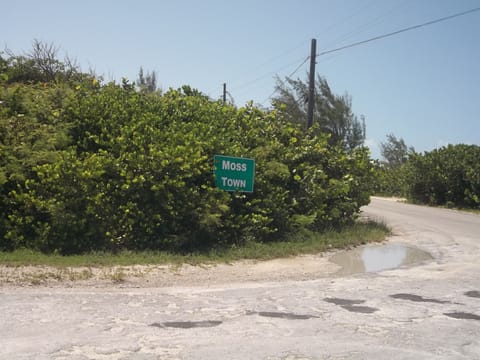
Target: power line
[(362, 28), (247, 84), (399, 31), (359, 43), (293, 48), (290, 50), (290, 75), (381, 37), (299, 66)]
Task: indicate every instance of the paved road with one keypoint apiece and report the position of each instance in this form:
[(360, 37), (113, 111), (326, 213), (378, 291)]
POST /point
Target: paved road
[(428, 311)]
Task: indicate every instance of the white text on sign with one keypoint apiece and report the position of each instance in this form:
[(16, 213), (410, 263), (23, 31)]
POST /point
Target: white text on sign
[(233, 166), (238, 183)]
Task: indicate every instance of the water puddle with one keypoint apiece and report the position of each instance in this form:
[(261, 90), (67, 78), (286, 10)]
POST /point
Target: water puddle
[(463, 315), (187, 324), (352, 305), (473, 294), (360, 309), (282, 315), (418, 298), (343, 302), (373, 258)]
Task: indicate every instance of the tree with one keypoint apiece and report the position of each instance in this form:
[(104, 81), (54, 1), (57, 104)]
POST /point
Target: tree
[(147, 83), (41, 64), (394, 151), (332, 112)]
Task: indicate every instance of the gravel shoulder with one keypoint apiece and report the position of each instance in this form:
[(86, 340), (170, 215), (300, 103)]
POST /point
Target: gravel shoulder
[(306, 267)]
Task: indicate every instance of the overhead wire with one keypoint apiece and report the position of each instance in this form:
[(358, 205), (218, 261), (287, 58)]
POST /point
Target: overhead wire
[(342, 21), (290, 50), (363, 27), (289, 76), (261, 77), (393, 33), (357, 43), (270, 73)]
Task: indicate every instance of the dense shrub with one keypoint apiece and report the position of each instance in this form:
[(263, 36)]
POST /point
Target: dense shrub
[(87, 167), (389, 180), (447, 176)]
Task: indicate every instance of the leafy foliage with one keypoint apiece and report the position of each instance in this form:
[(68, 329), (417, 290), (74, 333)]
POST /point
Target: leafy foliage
[(87, 166), (147, 83), (391, 177), (333, 113), (394, 151), (390, 181), (447, 176), (41, 64)]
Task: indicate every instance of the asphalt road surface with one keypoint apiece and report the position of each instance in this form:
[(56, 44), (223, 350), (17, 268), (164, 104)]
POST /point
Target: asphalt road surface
[(427, 311)]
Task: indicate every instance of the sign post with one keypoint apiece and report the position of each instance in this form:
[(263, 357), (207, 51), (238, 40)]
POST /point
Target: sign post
[(234, 173)]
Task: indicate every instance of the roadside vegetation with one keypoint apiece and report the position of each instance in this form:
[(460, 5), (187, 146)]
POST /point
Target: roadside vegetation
[(306, 243), (105, 174), (446, 177), (88, 167)]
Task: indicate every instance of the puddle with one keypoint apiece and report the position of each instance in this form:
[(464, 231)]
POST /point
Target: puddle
[(343, 302), (352, 305), (473, 294), (463, 315), (187, 324), (360, 309), (373, 258), (282, 315), (418, 298)]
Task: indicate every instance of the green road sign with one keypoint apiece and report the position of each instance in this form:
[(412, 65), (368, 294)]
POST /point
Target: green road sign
[(234, 173)]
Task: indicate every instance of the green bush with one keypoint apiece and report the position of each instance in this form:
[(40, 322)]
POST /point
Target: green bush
[(103, 167), (447, 176), (390, 180)]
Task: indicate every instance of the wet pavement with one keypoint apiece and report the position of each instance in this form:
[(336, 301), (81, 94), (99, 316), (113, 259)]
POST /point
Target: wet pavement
[(417, 298), (473, 293), (352, 305), (187, 324), (282, 315)]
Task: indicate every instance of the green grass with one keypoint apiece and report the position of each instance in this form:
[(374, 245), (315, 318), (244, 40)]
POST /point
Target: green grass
[(303, 243), (469, 210), (473, 211)]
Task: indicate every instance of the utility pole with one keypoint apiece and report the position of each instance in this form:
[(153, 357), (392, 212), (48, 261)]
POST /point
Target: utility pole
[(224, 93), (311, 84)]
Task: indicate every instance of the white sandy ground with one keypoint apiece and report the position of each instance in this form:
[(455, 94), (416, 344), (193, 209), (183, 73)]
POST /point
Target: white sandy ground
[(295, 308), (296, 268)]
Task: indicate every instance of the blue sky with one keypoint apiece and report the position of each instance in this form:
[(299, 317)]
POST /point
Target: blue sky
[(423, 85)]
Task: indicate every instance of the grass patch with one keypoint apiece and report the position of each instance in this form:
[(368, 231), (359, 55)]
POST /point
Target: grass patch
[(473, 211), (302, 243)]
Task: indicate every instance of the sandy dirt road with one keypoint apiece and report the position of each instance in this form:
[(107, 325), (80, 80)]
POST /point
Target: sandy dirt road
[(286, 309)]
